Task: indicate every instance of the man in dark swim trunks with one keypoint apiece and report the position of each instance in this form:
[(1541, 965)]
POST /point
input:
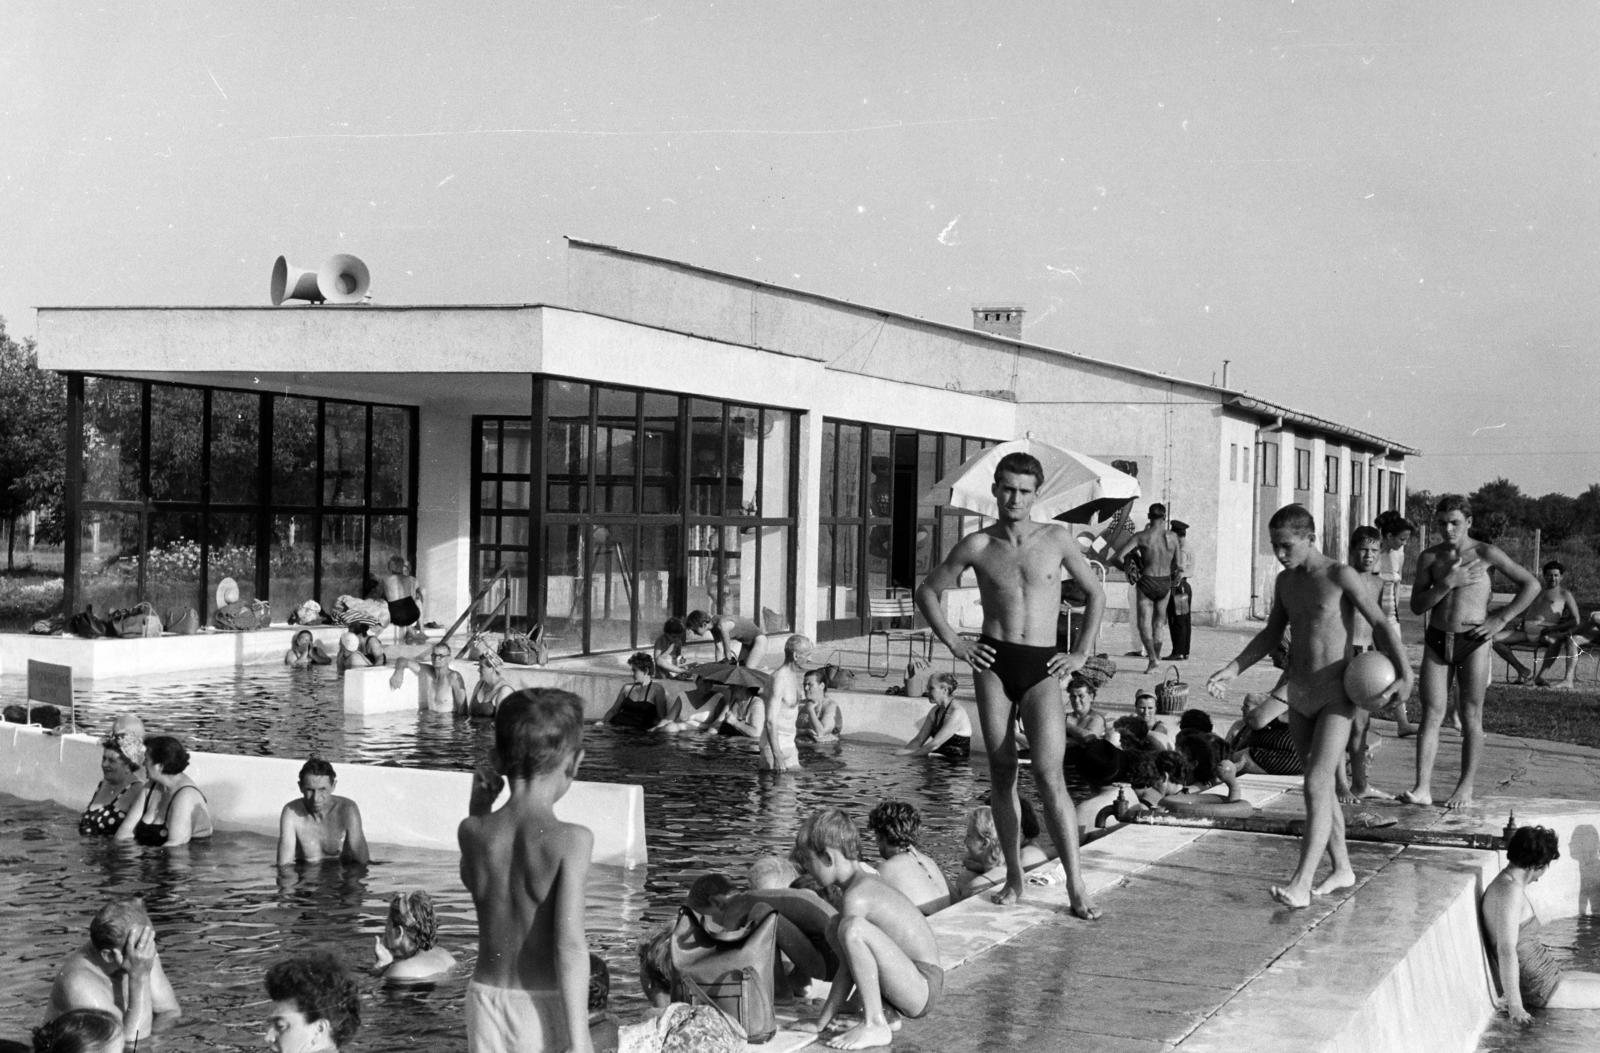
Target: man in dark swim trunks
[(1159, 552), (1016, 665), (1452, 589), (403, 594)]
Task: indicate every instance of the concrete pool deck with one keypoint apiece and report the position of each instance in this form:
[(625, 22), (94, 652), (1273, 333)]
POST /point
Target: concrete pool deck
[(1193, 955)]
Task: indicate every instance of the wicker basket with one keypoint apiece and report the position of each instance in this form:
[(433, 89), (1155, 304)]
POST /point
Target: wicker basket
[(1172, 694)]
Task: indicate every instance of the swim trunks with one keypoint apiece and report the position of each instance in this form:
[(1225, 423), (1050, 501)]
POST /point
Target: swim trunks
[(1019, 666), (1155, 586), (1451, 649), (514, 1020), (404, 612), (935, 977)]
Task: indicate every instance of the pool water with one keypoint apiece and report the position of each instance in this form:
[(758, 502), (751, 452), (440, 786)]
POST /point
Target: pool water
[(1575, 942), (222, 912)]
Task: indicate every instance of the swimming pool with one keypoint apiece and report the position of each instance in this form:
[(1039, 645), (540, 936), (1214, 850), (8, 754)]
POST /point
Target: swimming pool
[(1575, 942), (222, 912)]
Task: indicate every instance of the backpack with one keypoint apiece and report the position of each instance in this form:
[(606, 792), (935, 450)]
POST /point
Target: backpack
[(733, 972)]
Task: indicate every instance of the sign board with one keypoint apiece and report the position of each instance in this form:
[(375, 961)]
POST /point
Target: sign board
[(51, 683)]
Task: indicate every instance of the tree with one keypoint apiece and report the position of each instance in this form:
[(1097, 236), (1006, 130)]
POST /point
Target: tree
[(1587, 510), (33, 412), (1497, 507), (1555, 516), (1419, 510)]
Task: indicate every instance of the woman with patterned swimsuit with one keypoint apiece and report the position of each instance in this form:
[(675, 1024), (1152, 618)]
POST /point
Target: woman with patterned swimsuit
[(1529, 974), (121, 783)]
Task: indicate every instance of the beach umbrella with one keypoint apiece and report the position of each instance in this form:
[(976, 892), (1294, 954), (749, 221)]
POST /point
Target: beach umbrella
[(1076, 487), (743, 676), (713, 671)]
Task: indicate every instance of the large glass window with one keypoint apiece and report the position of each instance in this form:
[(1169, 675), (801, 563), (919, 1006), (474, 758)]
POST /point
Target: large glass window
[(655, 504), (878, 531), (182, 487)]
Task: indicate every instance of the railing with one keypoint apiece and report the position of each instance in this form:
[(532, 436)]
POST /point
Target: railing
[(502, 608)]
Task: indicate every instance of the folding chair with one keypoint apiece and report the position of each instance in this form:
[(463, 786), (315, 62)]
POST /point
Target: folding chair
[(894, 617)]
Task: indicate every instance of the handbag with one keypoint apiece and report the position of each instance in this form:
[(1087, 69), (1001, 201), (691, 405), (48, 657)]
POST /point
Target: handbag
[(1172, 694), (138, 622), (838, 677), (734, 973), (183, 621), (1181, 598), (85, 624)]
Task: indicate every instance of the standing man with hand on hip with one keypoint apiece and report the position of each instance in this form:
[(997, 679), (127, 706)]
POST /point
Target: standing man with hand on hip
[(1016, 665)]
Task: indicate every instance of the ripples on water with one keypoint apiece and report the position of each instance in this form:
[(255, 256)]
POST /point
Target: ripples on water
[(223, 913)]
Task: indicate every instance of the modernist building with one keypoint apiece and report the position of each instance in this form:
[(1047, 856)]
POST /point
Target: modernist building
[(669, 438)]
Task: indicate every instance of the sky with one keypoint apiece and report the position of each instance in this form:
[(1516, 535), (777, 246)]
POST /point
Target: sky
[(1386, 214)]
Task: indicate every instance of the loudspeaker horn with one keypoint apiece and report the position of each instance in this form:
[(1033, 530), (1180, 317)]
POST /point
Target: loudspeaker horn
[(340, 279)]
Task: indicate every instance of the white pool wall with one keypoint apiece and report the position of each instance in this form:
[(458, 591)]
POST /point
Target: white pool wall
[(107, 658), (399, 806)]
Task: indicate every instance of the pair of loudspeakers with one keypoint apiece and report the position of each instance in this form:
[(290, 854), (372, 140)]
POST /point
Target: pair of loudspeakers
[(340, 279)]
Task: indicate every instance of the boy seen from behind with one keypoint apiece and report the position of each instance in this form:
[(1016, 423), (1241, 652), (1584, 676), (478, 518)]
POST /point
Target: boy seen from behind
[(886, 950), (526, 872), (1317, 600)]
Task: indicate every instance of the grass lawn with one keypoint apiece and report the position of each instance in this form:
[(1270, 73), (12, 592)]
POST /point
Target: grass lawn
[(26, 596), (1540, 713)]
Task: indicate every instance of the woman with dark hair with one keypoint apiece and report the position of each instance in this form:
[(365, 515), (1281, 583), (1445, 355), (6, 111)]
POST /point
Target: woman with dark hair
[(80, 1031), (1529, 974), (315, 1005), (173, 809), (906, 867), (121, 783), (641, 704), (406, 951), (305, 651)]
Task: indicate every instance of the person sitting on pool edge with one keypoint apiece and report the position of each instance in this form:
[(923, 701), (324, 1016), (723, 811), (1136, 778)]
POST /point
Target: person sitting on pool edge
[(946, 730), (117, 970), (319, 825), (316, 1006), (668, 650), (440, 688), (1527, 972), (906, 867), (406, 952), (167, 815)]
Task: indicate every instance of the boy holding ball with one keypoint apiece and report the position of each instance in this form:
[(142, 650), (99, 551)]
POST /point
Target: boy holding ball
[(1318, 600)]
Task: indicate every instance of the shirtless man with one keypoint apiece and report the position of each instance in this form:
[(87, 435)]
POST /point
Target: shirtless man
[(1318, 601), (440, 688), (402, 593), (1159, 557), (778, 750), (1017, 668), (319, 825), (119, 971), (1549, 623), (1452, 588), (726, 631), (1084, 723)]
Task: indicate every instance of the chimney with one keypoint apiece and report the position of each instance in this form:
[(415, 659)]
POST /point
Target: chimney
[(999, 319)]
